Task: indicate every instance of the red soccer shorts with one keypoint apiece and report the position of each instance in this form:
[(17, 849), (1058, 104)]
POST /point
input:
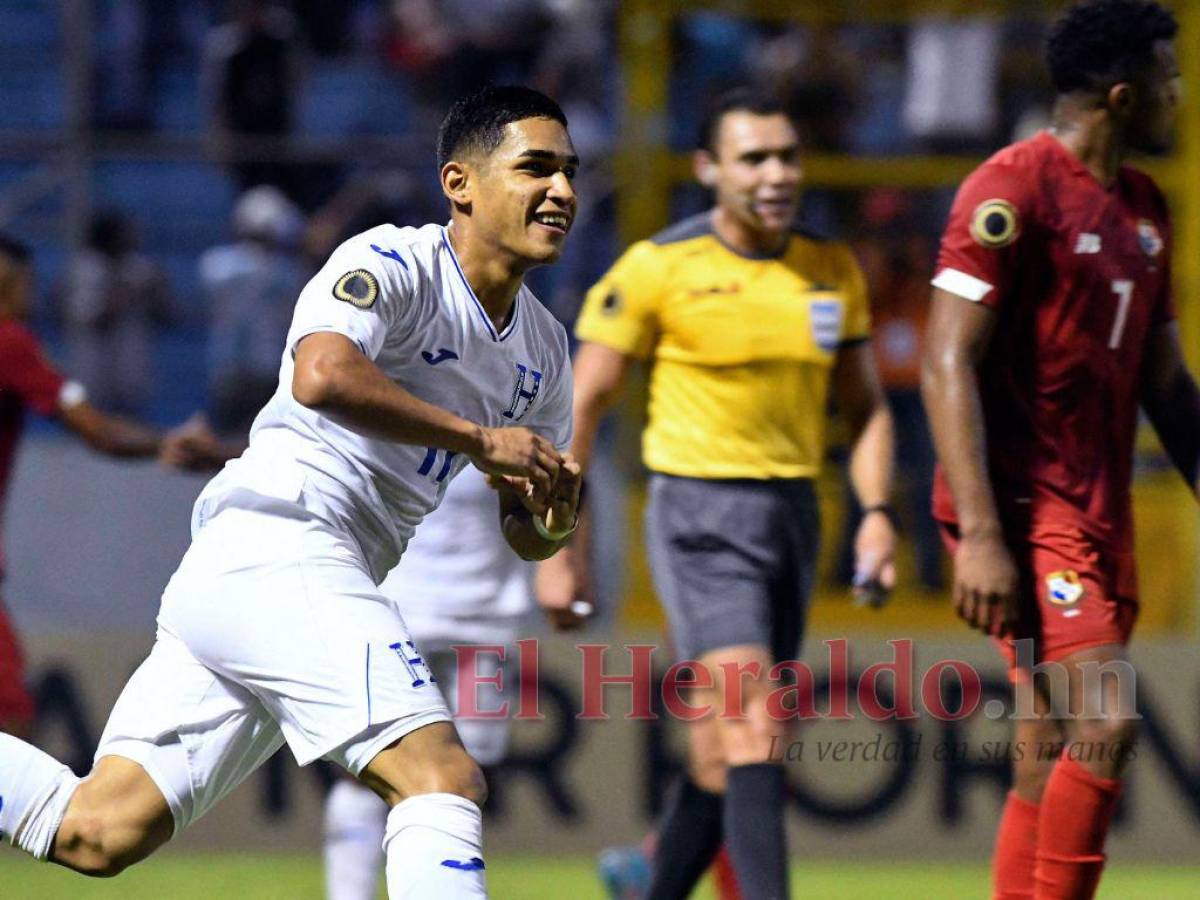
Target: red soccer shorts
[(16, 705), (1075, 593)]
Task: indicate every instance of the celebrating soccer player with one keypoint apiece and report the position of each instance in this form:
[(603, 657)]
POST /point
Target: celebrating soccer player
[(749, 323), (1052, 321), (412, 353)]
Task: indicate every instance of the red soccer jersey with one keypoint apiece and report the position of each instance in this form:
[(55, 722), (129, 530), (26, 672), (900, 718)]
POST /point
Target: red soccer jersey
[(27, 380), (1079, 276)]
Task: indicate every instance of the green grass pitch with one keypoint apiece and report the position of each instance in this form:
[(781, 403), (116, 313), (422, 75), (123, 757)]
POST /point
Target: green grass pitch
[(295, 877)]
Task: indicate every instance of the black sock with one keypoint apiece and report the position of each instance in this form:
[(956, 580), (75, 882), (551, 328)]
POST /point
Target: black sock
[(754, 832), (688, 839)]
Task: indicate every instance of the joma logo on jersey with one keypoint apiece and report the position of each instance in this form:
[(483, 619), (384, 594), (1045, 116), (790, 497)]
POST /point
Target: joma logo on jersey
[(529, 382)]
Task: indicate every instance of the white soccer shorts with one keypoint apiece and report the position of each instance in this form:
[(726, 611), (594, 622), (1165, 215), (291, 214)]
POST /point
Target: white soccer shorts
[(271, 630)]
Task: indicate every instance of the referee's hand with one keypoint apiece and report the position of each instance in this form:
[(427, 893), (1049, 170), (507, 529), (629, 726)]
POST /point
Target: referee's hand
[(874, 560), (563, 589)]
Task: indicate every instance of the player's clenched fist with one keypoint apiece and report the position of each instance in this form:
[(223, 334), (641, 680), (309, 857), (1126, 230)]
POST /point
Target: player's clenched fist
[(522, 453)]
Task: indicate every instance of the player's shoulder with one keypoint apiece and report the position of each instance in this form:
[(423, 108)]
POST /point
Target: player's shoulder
[(689, 229), (654, 256), (1142, 186), (394, 244), (1017, 167)]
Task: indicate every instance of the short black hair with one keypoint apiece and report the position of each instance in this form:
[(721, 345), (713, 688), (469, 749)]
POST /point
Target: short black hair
[(14, 249), (1099, 43), (738, 99), (476, 122)]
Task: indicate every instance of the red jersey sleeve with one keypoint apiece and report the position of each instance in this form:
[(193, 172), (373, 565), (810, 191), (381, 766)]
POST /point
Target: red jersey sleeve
[(983, 237), (25, 371)]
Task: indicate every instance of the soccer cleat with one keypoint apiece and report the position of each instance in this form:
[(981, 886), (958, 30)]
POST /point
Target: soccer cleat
[(625, 872)]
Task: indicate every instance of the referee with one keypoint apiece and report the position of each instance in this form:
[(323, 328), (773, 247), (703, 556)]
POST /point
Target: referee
[(747, 324)]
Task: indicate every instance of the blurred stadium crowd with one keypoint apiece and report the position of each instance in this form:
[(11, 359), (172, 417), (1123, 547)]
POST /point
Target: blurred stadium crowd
[(215, 153)]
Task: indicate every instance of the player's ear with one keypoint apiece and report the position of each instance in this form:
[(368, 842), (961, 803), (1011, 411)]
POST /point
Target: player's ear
[(456, 183), (1121, 98), (704, 164)]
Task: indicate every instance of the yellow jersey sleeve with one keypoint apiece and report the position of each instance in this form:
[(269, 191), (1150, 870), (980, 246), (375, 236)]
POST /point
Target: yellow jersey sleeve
[(621, 309), (858, 303)]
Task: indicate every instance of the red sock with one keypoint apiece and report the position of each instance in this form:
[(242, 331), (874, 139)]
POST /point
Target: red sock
[(1016, 850), (1075, 811), (723, 878)]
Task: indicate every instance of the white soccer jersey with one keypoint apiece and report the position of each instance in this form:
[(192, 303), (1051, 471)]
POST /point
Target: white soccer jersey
[(458, 565), (401, 296)]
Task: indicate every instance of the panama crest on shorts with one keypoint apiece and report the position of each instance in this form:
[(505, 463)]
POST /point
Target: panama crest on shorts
[(1064, 588)]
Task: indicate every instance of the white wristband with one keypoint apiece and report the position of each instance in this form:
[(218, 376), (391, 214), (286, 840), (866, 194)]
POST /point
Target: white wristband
[(540, 527)]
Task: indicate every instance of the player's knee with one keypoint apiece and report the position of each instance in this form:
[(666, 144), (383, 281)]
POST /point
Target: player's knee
[(1108, 731), (457, 774), (90, 843), (101, 839)]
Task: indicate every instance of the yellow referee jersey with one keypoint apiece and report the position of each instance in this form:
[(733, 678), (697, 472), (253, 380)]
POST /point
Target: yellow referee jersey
[(742, 348)]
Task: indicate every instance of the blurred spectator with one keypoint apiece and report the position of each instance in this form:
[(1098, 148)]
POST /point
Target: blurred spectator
[(896, 258), (951, 100), (250, 73), (818, 79), (116, 299), (449, 47), (139, 41), (251, 286)]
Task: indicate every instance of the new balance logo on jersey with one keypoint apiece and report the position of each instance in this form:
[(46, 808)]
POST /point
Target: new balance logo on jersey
[(529, 382), (1087, 242), (440, 357)]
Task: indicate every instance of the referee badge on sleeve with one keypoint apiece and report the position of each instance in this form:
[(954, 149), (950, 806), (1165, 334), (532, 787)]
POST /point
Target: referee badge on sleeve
[(358, 288), (826, 317), (995, 223)]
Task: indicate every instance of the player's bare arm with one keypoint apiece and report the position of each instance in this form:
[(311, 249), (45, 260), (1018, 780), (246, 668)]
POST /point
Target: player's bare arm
[(599, 374), (861, 400), (107, 434), (333, 377), (1171, 400), (985, 578)]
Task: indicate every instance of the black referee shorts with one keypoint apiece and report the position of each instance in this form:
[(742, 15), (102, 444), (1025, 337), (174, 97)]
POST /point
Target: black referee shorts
[(733, 560)]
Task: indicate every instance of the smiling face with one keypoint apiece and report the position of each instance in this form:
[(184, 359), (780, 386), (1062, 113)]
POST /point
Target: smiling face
[(520, 196), (754, 168)]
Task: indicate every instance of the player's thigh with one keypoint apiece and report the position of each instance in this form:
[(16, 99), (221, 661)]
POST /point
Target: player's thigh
[(429, 760), (1103, 698), (477, 685), (287, 609), (195, 734), (741, 687)]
